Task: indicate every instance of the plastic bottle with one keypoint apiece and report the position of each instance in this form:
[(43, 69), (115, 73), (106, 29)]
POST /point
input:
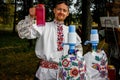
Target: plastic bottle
[(71, 39), (94, 38)]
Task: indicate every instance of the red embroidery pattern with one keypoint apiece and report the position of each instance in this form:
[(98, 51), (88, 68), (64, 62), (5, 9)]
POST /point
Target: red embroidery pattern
[(60, 38), (50, 65)]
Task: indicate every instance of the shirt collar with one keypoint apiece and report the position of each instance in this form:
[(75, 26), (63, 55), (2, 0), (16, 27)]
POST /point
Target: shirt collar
[(58, 23)]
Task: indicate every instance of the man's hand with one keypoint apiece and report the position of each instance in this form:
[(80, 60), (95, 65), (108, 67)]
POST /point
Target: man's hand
[(32, 12)]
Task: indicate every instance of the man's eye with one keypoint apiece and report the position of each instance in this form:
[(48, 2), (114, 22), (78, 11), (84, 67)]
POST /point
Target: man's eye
[(62, 10)]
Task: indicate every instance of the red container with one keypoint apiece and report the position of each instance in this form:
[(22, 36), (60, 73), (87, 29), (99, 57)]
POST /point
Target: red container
[(40, 14), (111, 72)]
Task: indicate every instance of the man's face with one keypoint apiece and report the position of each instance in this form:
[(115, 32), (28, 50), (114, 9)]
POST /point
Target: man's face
[(61, 12)]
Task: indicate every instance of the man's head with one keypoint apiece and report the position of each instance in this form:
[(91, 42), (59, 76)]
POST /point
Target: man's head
[(61, 11)]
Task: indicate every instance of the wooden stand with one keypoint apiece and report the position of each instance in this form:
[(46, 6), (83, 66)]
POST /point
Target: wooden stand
[(111, 72)]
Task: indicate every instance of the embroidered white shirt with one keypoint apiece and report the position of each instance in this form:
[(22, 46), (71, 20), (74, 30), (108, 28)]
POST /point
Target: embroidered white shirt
[(96, 65)]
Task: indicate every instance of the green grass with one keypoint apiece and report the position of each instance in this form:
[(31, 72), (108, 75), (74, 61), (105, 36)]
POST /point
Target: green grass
[(17, 60)]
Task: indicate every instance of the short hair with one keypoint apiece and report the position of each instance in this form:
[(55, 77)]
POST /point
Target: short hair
[(60, 2)]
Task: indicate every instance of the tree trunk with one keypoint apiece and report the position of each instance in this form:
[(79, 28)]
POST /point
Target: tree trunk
[(86, 20), (14, 23)]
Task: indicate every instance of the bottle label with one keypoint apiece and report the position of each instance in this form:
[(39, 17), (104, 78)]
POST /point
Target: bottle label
[(72, 38), (94, 37)]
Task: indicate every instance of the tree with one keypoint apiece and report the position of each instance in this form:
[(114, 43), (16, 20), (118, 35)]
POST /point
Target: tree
[(86, 20), (2, 7), (99, 10), (14, 23)]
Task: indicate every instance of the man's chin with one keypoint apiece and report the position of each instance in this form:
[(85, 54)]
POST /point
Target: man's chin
[(60, 20)]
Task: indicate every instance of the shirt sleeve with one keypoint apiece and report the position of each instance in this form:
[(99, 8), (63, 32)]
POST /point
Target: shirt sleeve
[(25, 29)]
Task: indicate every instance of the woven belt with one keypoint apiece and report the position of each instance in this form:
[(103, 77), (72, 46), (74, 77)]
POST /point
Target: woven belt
[(49, 65)]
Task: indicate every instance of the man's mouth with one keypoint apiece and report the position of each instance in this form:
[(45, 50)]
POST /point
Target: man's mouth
[(60, 14)]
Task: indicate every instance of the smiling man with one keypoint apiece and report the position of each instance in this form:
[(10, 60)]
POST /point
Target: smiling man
[(50, 37)]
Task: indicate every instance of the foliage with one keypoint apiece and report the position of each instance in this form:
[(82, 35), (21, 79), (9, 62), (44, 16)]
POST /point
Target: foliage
[(78, 6), (99, 9), (6, 13)]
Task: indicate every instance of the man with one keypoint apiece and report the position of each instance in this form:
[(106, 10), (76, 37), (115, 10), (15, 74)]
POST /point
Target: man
[(49, 43)]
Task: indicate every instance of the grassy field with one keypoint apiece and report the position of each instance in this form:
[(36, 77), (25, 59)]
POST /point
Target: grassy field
[(17, 60)]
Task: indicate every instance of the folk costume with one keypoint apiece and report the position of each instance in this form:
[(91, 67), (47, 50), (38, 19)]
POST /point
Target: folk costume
[(48, 47)]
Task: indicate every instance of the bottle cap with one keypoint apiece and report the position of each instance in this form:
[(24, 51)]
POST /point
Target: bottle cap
[(72, 28)]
